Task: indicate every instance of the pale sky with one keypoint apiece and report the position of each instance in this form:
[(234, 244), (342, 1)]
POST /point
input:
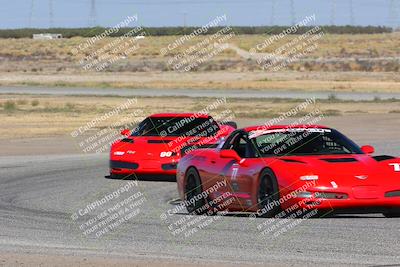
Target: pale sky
[(76, 13)]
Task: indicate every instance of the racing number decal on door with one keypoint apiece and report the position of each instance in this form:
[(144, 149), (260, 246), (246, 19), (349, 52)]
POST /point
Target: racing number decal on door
[(234, 183), (396, 166), (234, 173)]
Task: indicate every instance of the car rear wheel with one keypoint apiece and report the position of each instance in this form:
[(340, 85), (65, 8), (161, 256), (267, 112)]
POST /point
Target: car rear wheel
[(268, 194), (194, 200)]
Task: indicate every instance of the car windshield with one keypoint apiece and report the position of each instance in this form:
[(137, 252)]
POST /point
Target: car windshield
[(303, 142), (177, 126)]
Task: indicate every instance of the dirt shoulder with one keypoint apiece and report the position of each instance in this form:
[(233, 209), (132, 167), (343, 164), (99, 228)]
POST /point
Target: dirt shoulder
[(38, 116), (336, 64), (381, 129), (260, 80)]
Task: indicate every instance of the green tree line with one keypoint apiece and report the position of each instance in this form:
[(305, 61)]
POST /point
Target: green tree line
[(165, 31)]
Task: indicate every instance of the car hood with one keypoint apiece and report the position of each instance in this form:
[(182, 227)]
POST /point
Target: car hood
[(145, 147)]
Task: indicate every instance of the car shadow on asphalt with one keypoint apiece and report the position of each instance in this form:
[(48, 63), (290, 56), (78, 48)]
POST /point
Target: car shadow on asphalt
[(149, 178), (327, 214), (252, 216)]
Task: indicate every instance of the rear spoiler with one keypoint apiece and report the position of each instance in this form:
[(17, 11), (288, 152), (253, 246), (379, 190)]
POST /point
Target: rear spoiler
[(383, 157), (229, 123)]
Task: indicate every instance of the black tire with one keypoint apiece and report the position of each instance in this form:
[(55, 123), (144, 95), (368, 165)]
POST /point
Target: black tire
[(114, 176), (268, 194), (323, 214), (391, 214), (193, 187), (122, 176)]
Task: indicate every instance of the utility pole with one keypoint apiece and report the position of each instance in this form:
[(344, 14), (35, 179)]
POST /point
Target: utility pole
[(351, 13), (31, 13), (51, 15), (393, 14), (184, 24), (292, 13), (272, 21), (92, 16), (333, 12)]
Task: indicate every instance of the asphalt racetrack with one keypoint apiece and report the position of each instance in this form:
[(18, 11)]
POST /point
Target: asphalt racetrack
[(39, 194), (41, 197), (233, 93)]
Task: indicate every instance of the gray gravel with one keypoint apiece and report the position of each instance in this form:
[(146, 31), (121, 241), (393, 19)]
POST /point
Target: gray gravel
[(38, 194)]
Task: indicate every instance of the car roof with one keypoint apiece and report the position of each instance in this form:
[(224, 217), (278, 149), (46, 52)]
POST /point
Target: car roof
[(179, 115), (274, 127)]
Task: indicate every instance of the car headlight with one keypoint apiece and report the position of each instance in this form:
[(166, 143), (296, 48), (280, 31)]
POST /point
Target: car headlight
[(309, 177), (304, 194)]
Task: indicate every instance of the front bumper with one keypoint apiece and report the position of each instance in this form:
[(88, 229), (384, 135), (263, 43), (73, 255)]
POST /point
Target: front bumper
[(142, 167), (349, 201)]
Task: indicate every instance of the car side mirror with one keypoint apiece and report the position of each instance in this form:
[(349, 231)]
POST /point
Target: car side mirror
[(368, 149), (126, 132), (231, 154)]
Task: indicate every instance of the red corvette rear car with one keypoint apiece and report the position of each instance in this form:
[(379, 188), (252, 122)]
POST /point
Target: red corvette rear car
[(156, 145), (284, 169)]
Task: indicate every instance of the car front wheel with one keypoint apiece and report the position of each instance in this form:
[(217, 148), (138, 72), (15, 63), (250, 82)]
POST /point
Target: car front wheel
[(268, 194), (194, 200)]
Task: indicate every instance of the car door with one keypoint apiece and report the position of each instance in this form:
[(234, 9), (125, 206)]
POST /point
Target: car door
[(214, 170), (239, 177), (228, 176)]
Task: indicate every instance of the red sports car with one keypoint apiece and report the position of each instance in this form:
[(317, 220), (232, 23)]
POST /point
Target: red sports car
[(156, 145), (285, 169)]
